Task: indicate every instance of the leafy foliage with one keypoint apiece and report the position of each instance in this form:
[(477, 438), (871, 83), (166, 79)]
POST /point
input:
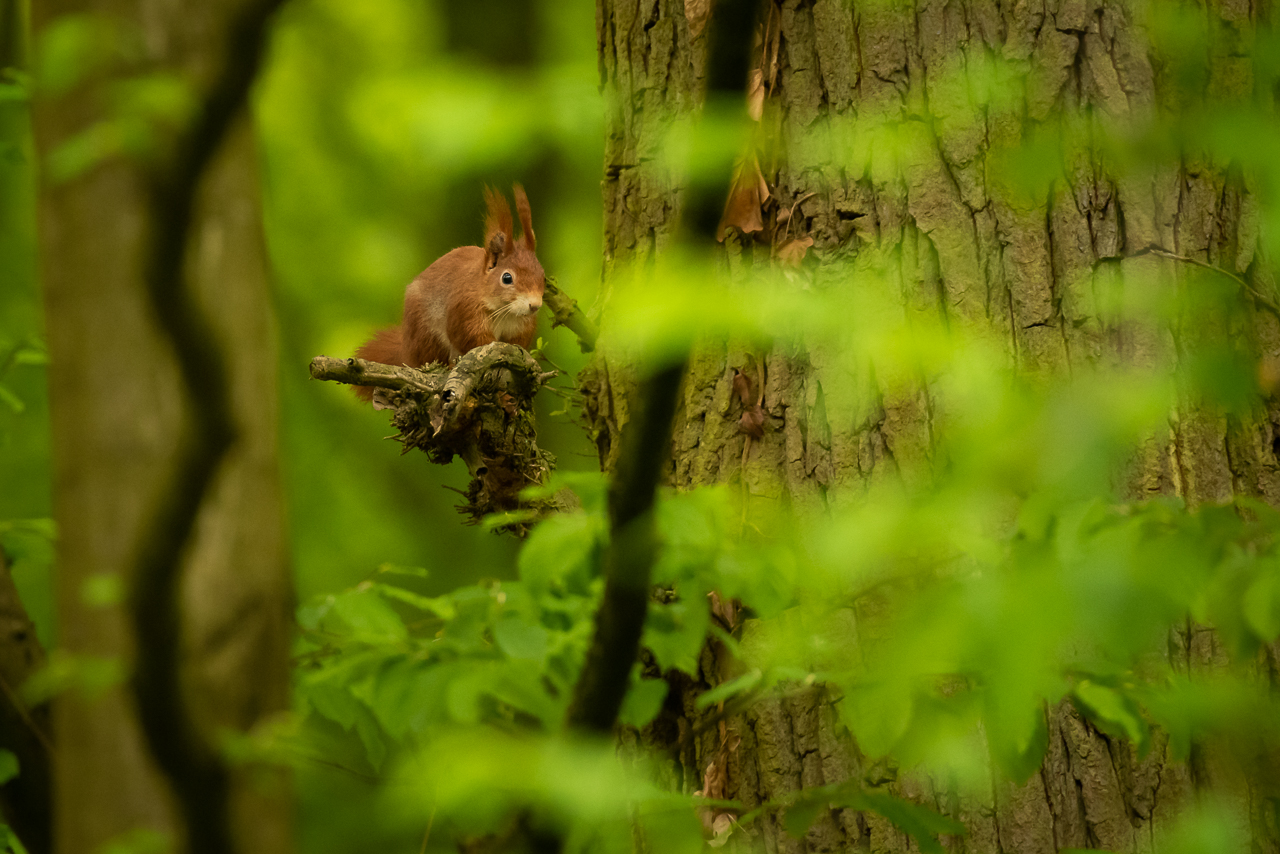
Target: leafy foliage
[(945, 628), (1002, 566)]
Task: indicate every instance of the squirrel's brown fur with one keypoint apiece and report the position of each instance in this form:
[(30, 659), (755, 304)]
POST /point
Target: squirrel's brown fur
[(462, 302)]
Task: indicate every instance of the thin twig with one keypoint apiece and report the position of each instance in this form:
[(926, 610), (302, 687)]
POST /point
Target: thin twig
[(565, 312), (1262, 300), (628, 560), (20, 708), (632, 548), (426, 834)]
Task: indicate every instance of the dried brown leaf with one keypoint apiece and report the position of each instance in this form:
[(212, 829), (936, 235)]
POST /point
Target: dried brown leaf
[(720, 830), (707, 816), (773, 46), (762, 186), (743, 209), (742, 387), (791, 253), (755, 95), (696, 13), (436, 416), (726, 610), (713, 782)]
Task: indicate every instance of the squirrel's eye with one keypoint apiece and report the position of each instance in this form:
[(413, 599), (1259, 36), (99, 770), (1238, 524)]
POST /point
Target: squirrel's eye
[(506, 278)]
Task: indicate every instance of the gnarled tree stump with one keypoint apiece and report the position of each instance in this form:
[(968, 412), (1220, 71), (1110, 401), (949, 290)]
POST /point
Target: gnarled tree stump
[(481, 410)]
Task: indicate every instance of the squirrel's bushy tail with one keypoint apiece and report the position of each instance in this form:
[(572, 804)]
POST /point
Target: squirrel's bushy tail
[(387, 348)]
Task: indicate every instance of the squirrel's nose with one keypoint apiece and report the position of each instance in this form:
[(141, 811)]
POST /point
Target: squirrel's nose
[(535, 303)]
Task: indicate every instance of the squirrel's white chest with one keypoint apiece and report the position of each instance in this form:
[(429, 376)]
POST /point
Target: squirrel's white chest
[(509, 326)]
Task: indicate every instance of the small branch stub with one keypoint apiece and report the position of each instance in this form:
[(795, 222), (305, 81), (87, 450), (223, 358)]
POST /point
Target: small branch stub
[(565, 312), (480, 410)]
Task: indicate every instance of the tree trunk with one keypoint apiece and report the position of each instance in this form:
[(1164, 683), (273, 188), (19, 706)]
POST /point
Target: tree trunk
[(117, 412), (957, 244)]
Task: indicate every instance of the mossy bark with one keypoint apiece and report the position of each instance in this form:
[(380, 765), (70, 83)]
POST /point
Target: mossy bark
[(954, 242)]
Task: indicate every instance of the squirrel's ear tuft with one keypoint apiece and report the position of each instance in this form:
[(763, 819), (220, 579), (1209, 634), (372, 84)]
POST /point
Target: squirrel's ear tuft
[(497, 219), (493, 249), (526, 220)]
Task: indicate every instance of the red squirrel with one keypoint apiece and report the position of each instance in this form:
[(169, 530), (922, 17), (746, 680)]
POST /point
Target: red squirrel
[(468, 297)]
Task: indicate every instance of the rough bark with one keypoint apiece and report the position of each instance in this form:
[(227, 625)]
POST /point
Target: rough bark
[(955, 243), (115, 439)]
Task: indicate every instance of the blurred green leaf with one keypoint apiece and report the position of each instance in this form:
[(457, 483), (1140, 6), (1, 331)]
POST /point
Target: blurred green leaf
[(11, 400), (732, 688), (440, 606), (1212, 827), (102, 591), (90, 674), (408, 695), (140, 840), (15, 85), (562, 552), (878, 714), (1114, 712), (675, 631), (923, 825), (643, 702), (74, 47), (369, 617), (521, 640), (1262, 604)]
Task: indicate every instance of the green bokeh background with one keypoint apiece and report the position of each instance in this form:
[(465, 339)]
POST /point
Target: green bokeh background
[(380, 122)]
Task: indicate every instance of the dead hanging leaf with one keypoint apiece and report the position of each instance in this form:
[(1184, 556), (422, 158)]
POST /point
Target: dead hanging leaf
[(772, 44), (696, 13), (713, 782), (713, 787), (742, 387), (726, 610), (755, 95), (744, 209), (752, 420), (791, 253), (720, 830), (782, 220)]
